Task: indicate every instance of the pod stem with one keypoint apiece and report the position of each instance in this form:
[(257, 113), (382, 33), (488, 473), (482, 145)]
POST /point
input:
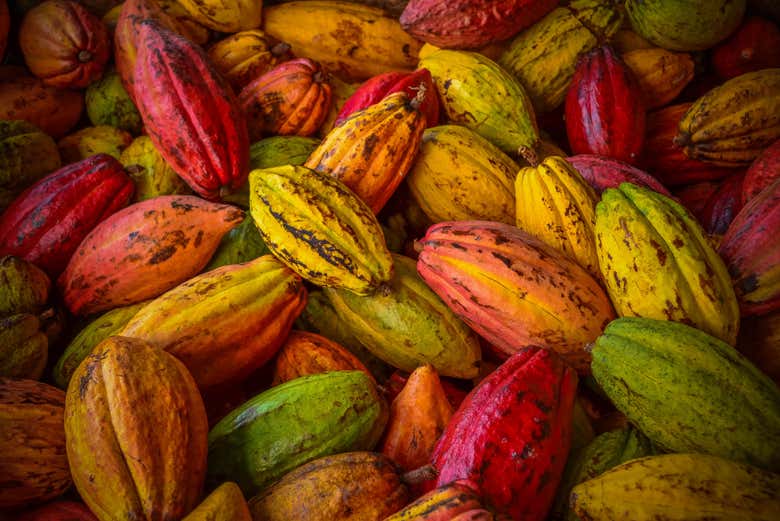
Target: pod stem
[(419, 475), (682, 139), (419, 97), (224, 191), (529, 155), (280, 49)]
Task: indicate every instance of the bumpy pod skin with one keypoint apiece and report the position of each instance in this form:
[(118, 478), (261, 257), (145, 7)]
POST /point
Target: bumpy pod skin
[(319, 228), (294, 423), (677, 487), (136, 445), (510, 438), (48, 221), (352, 486), (514, 290), (32, 443), (544, 56), (460, 176), (557, 206), (734, 122), (751, 249), (143, 251), (189, 112), (372, 150), (477, 93), (225, 323), (713, 401), (407, 325), (657, 263)]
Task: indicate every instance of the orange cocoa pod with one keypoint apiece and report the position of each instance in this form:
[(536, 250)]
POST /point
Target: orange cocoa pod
[(292, 99), (246, 55), (64, 44), (25, 97), (418, 416), (307, 353)]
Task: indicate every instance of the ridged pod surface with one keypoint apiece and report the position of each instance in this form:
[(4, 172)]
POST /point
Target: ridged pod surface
[(657, 262), (510, 438), (246, 55), (544, 56), (407, 325), (32, 443), (319, 228), (294, 423), (459, 176), (372, 150), (24, 348), (604, 172), (352, 41), (734, 122), (751, 249), (225, 16), (305, 353), (606, 451), (661, 74), (26, 155), (762, 172), (47, 222), (724, 204), (682, 25), (136, 445), (226, 503), (225, 323), (440, 504), (143, 251), (25, 286), (514, 290), (469, 24), (713, 401), (293, 98), (477, 93), (605, 113), (557, 206), (189, 112), (352, 486), (680, 487)]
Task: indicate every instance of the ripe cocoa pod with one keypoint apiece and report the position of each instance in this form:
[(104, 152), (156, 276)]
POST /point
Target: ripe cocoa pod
[(603, 172), (762, 172), (25, 287), (723, 205), (305, 353), (90, 141), (108, 103), (59, 511), (246, 55), (440, 504), (48, 221), (150, 173), (136, 445), (26, 155), (661, 75), (755, 45), (24, 348), (143, 251), (226, 503), (228, 16)]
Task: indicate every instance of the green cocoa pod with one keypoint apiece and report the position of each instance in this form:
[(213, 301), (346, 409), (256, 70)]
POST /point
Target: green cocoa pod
[(241, 244), (606, 451), (319, 317), (582, 432), (689, 391), (106, 325), (24, 288), (294, 423), (94, 140), (685, 25), (26, 155), (407, 325), (23, 347), (150, 173), (544, 56), (108, 103), (271, 152)]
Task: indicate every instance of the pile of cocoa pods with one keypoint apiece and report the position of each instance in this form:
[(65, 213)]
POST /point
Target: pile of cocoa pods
[(388, 260)]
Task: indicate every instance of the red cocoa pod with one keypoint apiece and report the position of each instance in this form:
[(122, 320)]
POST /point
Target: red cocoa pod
[(189, 112), (666, 161), (764, 170), (144, 250), (59, 511), (751, 250), (292, 99), (605, 114), (470, 24), (752, 47), (375, 89), (695, 197), (510, 438), (603, 172), (48, 221), (723, 205)]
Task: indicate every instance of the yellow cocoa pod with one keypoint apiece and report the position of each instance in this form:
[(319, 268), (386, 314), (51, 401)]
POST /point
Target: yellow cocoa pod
[(93, 140), (319, 228), (460, 176), (226, 503), (246, 55), (557, 206), (661, 74), (227, 16)]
